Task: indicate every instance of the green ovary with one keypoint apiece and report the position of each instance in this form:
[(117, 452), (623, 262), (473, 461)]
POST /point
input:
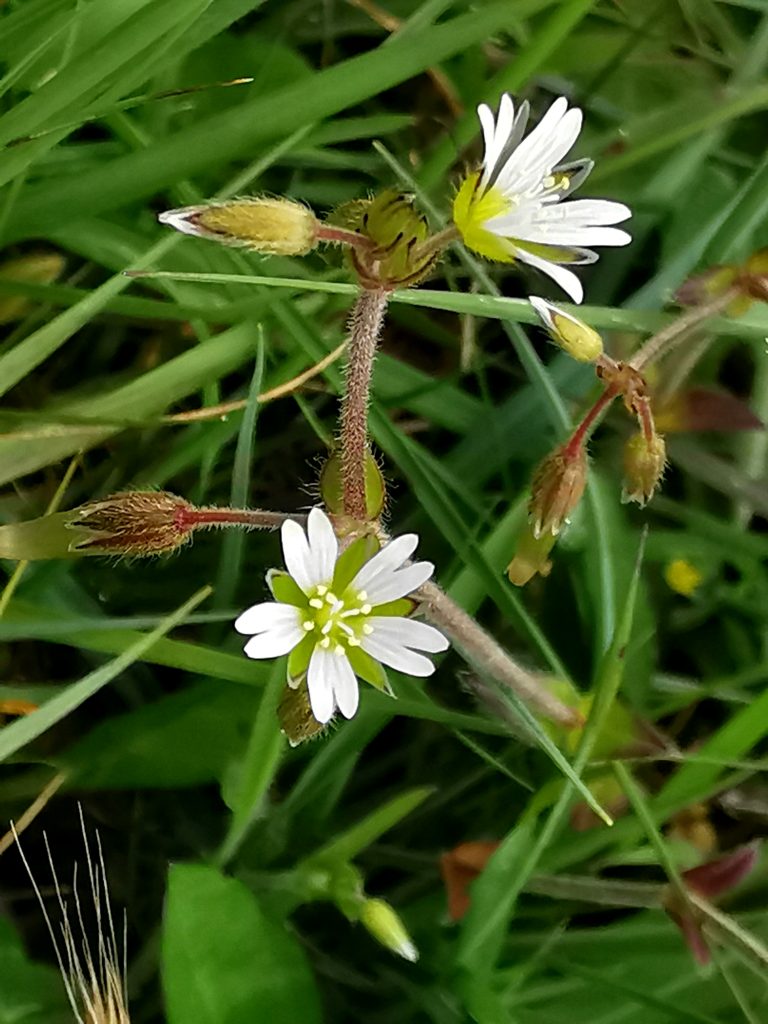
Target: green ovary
[(337, 623)]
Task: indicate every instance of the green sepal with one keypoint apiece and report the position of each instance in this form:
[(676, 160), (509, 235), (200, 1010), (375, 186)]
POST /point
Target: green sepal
[(332, 488), (553, 253), (404, 606), (369, 669), (352, 560), (298, 659), (285, 589)]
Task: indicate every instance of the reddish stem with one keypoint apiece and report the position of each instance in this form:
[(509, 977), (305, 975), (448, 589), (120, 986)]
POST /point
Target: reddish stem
[(645, 419), (189, 518), (342, 236), (581, 433)]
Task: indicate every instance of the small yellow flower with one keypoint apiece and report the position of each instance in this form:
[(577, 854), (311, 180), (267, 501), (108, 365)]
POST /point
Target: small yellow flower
[(683, 577)]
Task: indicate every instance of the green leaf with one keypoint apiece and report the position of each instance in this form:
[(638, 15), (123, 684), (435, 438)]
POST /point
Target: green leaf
[(224, 961), (186, 739)]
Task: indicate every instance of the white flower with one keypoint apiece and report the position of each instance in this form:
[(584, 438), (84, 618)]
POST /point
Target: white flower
[(511, 208), (341, 616)]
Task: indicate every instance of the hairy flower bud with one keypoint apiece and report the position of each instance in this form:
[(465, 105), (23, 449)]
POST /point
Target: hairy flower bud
[(567, 332), (279, 227), (380, 919), (295, 715), (136, 523), (557, 487), (644, 462)]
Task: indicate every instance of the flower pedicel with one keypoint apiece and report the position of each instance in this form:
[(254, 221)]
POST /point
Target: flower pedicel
[(342, 616), (511, 209)]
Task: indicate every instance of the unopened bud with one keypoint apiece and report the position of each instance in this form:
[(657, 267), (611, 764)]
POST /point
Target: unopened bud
[(279, 227), (644, 462), (557, 487), (295, 715), (332, 489), (531, 557), (707, 285), (567, 332), (380, 919), (35, 268), (136, 524)]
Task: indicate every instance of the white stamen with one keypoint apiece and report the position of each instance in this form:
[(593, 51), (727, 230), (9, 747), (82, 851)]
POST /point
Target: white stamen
[(308, 625), (315, 602)]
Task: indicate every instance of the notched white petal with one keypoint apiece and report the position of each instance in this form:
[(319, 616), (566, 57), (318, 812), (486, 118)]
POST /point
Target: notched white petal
[(323, 545), (296, 554), (320, 685), (345, 687), (391, 557), (400, 658), (261, 617), (565, 278), (392, 586), (409, 633), (274, 643)]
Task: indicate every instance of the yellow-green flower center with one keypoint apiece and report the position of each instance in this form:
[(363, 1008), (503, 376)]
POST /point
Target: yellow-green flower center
[(335, 622), (472, 208)]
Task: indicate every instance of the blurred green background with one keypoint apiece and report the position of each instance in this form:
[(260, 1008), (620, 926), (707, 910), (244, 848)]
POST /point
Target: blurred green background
[(231, 852)]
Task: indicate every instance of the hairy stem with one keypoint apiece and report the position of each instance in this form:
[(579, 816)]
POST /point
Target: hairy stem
[(664, 341), (365, 327), (189, 518), (482, 651)]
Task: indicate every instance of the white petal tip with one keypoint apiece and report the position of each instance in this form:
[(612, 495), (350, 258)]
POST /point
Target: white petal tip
[(179, 219), (408, 951)]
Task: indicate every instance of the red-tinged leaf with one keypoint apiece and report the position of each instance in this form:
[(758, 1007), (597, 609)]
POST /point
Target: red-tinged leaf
[(701, 409), (459, 868), (718, 876)]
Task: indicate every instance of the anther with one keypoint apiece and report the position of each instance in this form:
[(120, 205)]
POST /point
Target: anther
[(308, 625), (339, 650), (365, 609), (315, 602), (321, 590), (325, 642), (367, 629)]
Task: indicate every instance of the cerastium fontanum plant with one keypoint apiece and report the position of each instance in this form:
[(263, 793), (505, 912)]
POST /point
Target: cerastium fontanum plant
[(93, 969), (347, 606)]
